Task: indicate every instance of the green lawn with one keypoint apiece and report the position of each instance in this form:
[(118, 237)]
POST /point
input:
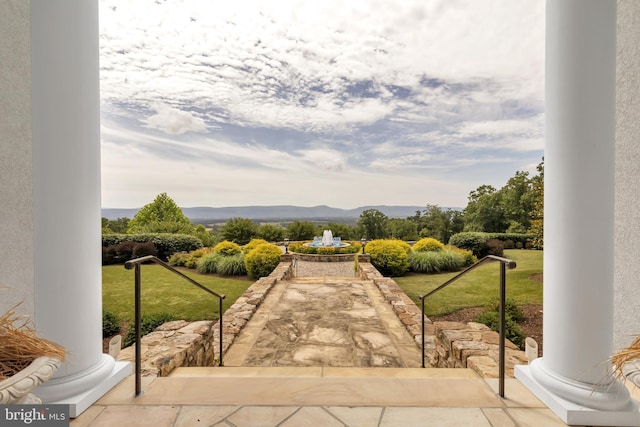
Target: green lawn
[(165, 292), (479, 286)]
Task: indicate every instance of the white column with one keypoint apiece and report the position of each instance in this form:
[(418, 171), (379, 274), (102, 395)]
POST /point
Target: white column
[(66, 174), (574, 375)]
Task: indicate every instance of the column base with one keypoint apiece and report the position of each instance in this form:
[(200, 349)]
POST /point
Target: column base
[(626, 412), (81, 390)]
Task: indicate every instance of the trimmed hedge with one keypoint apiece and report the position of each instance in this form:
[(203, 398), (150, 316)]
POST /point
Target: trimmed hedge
[(166, 243), (227, 248), (428, 244), (302, 248), (262, 260), (390, 257), (478, 242), (252, 244)]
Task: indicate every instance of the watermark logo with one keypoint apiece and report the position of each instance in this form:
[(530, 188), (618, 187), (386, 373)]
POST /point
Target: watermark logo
[(34, 415)]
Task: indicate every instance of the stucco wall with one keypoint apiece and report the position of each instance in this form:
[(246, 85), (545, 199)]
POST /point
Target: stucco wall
[(16, 183), (627, 233)]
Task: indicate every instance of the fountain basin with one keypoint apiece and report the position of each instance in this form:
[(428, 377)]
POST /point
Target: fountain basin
[(327, 241)]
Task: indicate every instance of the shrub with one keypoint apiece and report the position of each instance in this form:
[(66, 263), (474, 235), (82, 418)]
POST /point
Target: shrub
[(252, 244), (208, 264), (468, 257), (435, 261), (232, 265), (513, 313), (188, 259), (110, 324), (512, 330), (166, 243), (144, 249), (495, 247), (124, 251), (261, 260), (511, 308), (227, 248), (471, 241), (148, 323), (109, 255), (428, 244), (390, 257), (326, 251), (478, 242), (178, 259), (302, 248)]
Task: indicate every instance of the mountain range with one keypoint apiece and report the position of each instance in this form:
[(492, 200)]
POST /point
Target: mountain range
[(274, 212)]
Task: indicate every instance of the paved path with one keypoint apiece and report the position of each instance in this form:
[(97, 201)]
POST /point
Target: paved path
[(324, 321)]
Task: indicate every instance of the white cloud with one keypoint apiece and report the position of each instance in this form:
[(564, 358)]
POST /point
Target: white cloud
[(174, 121)]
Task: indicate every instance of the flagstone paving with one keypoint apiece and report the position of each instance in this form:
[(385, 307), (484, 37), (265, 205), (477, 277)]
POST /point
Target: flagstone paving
[(324, 321)]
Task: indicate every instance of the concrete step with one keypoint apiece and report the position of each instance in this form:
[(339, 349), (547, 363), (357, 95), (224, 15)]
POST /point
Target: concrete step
[(401, 387)]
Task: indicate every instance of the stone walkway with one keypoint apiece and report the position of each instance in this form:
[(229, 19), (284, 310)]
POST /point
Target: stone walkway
[(324, 321)]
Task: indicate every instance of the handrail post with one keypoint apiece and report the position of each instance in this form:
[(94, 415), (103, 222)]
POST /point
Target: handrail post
[(423, 316), (503, 299), (220, 328), (138, 331)]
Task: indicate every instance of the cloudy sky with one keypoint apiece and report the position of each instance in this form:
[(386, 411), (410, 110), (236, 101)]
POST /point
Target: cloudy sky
[(335, 102)]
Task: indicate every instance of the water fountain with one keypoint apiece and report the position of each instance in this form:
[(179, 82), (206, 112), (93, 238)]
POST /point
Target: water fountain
[(327, 241)]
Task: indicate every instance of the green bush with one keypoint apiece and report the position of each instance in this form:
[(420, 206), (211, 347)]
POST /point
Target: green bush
[(468, 257), (471, 241), (227, 248), (178, 259), (478, 242), (144, 249), (390, 257), (124, 251), (232, 265), (511, 308), (302, 248), (166, 243), (435, 261), (252, 244), (512, 330), (427, 245), (495, 247), (208, 264), (262, 259), (109, 255), (110, 324), (188, 259), (148, 323)]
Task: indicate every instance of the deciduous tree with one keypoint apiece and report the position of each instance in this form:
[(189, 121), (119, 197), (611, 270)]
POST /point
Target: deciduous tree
[(160, 216)]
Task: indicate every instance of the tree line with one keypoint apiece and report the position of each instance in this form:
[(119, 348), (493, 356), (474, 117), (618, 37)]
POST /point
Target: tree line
[(517, 207)]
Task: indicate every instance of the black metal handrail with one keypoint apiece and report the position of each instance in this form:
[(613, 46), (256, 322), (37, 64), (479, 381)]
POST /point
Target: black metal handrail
[(135, 264), (504, 264)]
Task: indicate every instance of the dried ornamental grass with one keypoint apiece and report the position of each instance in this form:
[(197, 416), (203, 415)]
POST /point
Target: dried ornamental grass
[(19, 345), (627, 355)]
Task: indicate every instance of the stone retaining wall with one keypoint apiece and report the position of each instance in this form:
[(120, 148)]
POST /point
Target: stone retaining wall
[(447, 344)]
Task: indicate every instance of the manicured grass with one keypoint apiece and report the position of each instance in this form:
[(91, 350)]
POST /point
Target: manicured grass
[(479, 286), (165, 292)]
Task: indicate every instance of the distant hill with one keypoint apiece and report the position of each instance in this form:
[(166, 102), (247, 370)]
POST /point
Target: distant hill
[(275, 212)]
